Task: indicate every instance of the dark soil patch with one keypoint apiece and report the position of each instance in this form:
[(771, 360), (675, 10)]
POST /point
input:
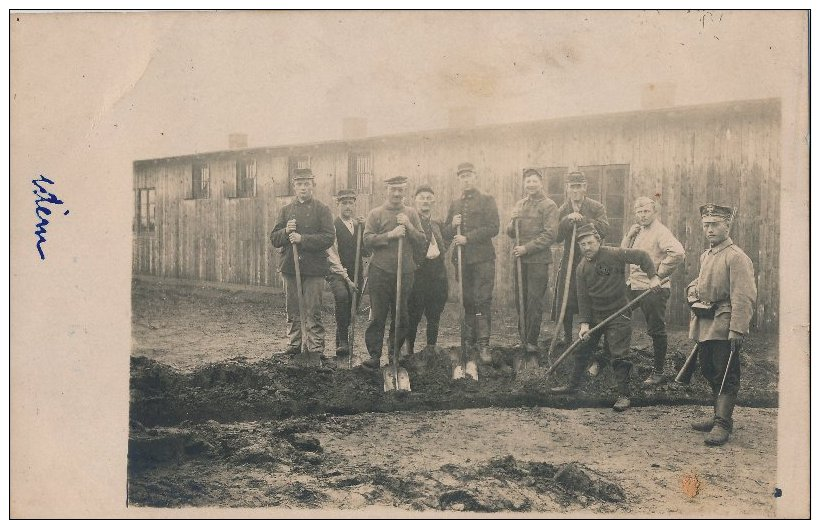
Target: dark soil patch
[(242, 390)]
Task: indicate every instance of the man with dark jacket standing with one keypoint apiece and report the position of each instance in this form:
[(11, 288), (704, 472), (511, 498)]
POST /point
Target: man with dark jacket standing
[(383, 228), (429, 292), (477, 214), (601, 292), (722, 300), (341, 284), (307, 223), (538, 225), (578, 209)]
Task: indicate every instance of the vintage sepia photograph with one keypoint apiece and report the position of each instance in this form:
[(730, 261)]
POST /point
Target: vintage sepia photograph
[(439, 261)]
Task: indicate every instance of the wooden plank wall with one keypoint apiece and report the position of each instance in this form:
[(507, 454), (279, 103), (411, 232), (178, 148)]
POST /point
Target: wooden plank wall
[(685, 158)]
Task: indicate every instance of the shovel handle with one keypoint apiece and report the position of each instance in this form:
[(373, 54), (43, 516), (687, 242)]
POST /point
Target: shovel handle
[(354, 302), (300, 297), (397, 315), (565, 293), (460, 265), (577, 342), (520, 279)]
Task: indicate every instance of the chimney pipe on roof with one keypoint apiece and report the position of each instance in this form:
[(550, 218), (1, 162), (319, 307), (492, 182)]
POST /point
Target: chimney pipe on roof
[(237, 141)]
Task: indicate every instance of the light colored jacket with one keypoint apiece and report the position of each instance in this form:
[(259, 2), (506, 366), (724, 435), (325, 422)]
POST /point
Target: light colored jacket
[(664, 249), (727, 279)]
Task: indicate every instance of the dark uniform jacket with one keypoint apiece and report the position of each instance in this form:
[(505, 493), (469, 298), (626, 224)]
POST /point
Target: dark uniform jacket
[(314, 222), (346, 243), (480, 223), (538, 226), (600, 281)]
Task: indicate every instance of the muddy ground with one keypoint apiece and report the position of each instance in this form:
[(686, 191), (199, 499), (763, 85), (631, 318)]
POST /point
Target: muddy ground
[(220, 417)]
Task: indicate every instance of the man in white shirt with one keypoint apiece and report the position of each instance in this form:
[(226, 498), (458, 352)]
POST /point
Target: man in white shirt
[(667, 253)]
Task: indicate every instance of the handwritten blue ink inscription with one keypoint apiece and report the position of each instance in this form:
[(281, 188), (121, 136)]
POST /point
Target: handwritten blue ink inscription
[(42, 210)]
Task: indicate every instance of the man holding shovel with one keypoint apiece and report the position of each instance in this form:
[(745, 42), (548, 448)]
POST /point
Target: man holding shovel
[(722, 301), (576, 211), (308, 224), (429, 292), (650, 235), (386, 225), (472, 222), (343, 266), (601, 292), (537, 217)]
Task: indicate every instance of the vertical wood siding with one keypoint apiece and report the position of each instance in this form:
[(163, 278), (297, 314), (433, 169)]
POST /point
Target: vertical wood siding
[(728, 153)]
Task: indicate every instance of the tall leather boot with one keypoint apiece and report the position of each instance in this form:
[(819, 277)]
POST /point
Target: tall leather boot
[(724, 406), (574, 379), (622, 370), (659, 347)]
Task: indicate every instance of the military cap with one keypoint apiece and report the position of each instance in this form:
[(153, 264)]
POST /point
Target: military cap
[(398, 180), (713, 213), (346, 194), (532, 171), (302, 173), (465, 167), (575, 178), (425, 187), (586, 230)]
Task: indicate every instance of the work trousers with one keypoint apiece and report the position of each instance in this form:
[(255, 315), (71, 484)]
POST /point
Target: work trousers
[(535, 281), (617, 334), (653, 306), (479, 282), (383, 303), (312, 287), (713, 356), (343, 300), (427, 299)]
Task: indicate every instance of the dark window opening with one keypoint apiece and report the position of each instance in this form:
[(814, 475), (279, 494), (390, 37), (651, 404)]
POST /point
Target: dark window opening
[(200, 181), (245, 178), (360, 172), (145, 214)]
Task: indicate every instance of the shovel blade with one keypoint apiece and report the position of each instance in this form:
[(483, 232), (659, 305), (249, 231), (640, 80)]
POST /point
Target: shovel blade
[(389, 381), (471, 370), (403, 383), (458, 372)]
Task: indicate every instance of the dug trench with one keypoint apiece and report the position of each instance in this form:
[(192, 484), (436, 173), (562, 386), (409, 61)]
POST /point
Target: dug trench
[(262, 431)]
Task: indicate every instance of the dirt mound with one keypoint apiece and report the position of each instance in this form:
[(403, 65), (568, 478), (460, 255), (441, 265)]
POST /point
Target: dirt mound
[(243, 390), (187, 465)]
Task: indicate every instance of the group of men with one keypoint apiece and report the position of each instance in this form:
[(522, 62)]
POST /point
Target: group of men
[(602, 279)]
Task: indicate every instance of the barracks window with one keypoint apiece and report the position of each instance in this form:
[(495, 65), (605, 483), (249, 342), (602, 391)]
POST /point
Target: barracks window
[(200, 181), (245, 178), (360, 172), (145, 210)]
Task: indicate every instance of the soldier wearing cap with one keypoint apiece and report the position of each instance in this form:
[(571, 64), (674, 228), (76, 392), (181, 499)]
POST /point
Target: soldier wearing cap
[(383, 228), (601, 292), (429, 292), (667, 253), (477, 214), (578, 209), (722, 301), (307, 223), (537, 215), (342, 257)]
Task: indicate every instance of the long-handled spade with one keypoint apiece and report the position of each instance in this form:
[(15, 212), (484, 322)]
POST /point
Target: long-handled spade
[(305, 358), (461, 368), (567, 275), (523, 359), (596, 328), (396, 378), (354, 303)]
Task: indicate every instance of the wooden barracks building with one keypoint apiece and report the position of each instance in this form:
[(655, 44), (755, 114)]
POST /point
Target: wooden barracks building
[(208, 216)]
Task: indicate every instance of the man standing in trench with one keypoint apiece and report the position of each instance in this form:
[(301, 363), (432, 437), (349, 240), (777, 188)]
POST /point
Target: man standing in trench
[(307, 223), (384, 227), (342, 258), (578, 209), (602, 292), (429, 292), (722, 300), (538, 225), (476, 214), (650, 235)]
